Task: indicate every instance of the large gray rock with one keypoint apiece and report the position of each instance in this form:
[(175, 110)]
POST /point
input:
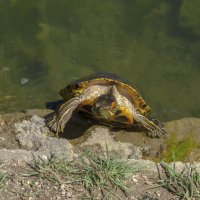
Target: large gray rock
[(45, 145), (16, 154), (32, 137), (184, 127), (34, 125), (100, 135)]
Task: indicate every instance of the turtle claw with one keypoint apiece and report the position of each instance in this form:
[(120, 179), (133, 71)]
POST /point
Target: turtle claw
[(156, 133)]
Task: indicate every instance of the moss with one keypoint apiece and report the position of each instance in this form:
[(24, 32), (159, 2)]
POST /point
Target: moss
[(179, 148)]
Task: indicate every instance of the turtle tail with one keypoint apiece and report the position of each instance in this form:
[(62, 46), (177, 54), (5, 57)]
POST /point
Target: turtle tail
[(155, 128), (63, 114)]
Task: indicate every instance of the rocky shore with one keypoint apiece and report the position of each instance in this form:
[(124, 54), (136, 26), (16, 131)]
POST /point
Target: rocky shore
[(24, 136)]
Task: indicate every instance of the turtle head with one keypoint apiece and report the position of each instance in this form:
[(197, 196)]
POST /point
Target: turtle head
[(105, 107)]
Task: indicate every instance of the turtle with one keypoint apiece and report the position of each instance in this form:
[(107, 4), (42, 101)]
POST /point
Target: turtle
[(108, 98)]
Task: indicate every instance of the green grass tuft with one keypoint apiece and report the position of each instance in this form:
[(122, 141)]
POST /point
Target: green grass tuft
[(2, 180), (104, 172), (95, 172), (185, 184)]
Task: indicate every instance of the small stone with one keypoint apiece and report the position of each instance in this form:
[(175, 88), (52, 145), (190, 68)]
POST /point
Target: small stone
[(134, 179), (69, 194), (158, 194), (44, 157), (146, 181), (24, 81), (2, 142), (36, 183), (2, 122), (62, 187), (55, 187), (63, 192)]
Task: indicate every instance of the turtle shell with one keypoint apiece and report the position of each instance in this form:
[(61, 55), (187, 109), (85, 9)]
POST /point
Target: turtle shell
[(124, 87)]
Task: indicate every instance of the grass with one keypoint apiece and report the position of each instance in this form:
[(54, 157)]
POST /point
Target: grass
[(2, 180), (50, 170), (185, 184), (105, 173), (95, 173)]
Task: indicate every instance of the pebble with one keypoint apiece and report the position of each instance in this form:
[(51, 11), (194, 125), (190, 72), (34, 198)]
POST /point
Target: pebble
[(134, 179), (158, 194), (2, 141), (24, 81), (2, 122), (63, 192), (62, 187)]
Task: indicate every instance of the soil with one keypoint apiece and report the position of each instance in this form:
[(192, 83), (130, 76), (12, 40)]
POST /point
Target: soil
[(20, 187), (17, 186)]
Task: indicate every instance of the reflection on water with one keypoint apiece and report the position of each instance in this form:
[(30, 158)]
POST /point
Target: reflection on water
[(154, 44)]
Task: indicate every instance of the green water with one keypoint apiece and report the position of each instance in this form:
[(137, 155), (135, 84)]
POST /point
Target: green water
[(154, 44)]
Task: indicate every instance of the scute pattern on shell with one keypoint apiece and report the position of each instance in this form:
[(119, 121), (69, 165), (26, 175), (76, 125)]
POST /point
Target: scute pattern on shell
[(125, 88)]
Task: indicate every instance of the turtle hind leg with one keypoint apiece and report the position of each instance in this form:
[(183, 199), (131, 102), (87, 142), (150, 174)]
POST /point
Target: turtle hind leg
[(62, 115), (155, 128)]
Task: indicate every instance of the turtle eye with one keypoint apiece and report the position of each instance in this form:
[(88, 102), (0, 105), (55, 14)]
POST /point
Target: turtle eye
[(76, 85), (144, 105)]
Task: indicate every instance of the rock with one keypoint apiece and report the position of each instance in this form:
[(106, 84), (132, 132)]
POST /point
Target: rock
[(34, 125), (181, 129), (181, 167), (144, 165), (101, 135), (2, 122), (47, 146), (32, 137), (184, 127), (10, 118), (17, 154), (18, 116), (38, 112), (2, 142)]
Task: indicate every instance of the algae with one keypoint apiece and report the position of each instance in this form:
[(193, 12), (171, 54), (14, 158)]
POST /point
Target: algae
[(179, 149)]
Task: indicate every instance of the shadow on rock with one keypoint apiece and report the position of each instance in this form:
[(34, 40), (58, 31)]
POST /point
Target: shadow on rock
[(80, 123), (75, 127)]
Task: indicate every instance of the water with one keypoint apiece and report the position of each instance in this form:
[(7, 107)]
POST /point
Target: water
[(155, 44)]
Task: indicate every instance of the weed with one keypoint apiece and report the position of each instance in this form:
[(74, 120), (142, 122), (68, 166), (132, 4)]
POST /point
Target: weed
[(2, 179), (185, 184), (104, 172), (95, 172)]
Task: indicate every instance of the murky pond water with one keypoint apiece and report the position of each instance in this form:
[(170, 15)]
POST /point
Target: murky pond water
[(154, 44)]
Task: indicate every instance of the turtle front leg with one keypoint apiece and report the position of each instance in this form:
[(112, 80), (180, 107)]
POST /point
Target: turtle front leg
[(154, 130), (63, 114)]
